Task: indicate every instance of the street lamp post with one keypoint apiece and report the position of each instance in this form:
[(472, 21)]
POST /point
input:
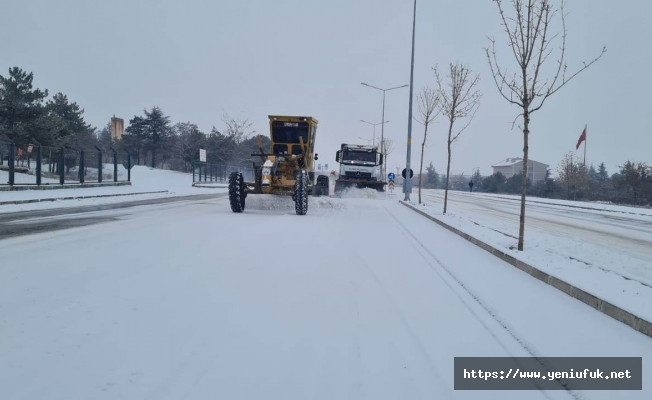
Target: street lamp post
[(374, 125), (407, 187), (382, 134)]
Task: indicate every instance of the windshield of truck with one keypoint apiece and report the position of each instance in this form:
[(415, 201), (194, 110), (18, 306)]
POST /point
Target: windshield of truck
[(354, 157), (289, 132)]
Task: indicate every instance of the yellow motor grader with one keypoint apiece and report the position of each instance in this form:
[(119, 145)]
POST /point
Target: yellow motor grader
[(287, 169)]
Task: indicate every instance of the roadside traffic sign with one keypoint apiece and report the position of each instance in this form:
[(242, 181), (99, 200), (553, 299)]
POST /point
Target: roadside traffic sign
[(391, 176), (404, 174)]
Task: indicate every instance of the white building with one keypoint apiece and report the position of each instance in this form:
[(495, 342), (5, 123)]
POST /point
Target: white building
[(536, 171)]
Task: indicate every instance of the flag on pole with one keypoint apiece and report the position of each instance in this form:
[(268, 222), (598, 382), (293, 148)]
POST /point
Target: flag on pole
[(581, 139)]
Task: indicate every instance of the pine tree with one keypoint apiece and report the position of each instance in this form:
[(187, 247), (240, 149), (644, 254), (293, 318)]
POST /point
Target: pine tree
[(69, 121), (135, 137), (432, 179), (158, 131), (602, 172), (634, 178), (593, 174), (21, 106), (476, 179)]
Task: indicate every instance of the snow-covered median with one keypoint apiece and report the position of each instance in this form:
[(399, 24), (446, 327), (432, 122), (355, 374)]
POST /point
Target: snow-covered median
[(621, 278), (143, 179)]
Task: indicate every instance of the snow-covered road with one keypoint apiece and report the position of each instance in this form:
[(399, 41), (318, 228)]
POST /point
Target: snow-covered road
[(618, 232), (359, 299), (626, 233)]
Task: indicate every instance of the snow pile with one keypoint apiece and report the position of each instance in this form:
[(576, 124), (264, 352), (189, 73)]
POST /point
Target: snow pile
[(285, 203), (366, 193), (268, 202), (327, 203)]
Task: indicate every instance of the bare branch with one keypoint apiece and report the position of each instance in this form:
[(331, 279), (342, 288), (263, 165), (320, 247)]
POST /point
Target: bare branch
[(388, 146), (427, 104), (467, 124), (530, 39)]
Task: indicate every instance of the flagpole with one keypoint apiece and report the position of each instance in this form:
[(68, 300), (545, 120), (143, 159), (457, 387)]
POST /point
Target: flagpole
[(586, 135)]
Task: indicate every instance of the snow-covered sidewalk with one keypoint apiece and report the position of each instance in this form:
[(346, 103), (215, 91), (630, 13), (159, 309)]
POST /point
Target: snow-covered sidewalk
[(621, 278), (143, 179)]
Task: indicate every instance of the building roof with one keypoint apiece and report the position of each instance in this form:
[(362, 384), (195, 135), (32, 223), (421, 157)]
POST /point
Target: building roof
[(508, 162)]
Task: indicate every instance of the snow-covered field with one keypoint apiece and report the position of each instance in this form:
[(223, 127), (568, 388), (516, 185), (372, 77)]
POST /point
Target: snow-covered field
[(605, 253), (360, 299), (143, 179)]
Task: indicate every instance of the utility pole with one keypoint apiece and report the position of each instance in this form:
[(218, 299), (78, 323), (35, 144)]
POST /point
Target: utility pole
[(407, 185)]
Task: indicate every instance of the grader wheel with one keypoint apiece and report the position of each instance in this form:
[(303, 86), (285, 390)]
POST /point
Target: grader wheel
[(237, 192), (300, 196)]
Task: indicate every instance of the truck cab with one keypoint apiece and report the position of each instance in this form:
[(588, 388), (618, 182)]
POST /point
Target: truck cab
[(359, 167)]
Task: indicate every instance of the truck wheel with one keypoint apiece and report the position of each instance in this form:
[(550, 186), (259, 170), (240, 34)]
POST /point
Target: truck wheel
[(301, 194), (236, 192), (323, 185)]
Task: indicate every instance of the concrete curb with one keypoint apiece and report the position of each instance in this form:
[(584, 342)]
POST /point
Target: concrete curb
[(615, 312), (2, 203), (55, 186)]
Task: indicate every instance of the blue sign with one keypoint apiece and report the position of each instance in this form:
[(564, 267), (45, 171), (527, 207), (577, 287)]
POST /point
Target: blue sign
[(391, 176)]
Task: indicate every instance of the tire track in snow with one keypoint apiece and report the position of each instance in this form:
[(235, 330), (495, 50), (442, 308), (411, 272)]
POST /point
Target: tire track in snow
[(422, 350), (429, 258)]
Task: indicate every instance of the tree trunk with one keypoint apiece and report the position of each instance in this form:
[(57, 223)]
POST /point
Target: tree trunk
[(526, 132), (153, 158), (423, 145), (448, 167)]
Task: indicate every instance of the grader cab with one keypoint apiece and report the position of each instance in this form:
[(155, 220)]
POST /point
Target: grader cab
[(286, 169)]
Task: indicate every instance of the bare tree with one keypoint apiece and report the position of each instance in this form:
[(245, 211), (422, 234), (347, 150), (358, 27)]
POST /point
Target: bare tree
[(573, 174), (236, 131), (427, 103), (459, 99), (388, 146), (530, 39)]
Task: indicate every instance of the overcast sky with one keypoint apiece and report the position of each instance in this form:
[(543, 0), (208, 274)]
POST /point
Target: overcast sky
[(198, 58)]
